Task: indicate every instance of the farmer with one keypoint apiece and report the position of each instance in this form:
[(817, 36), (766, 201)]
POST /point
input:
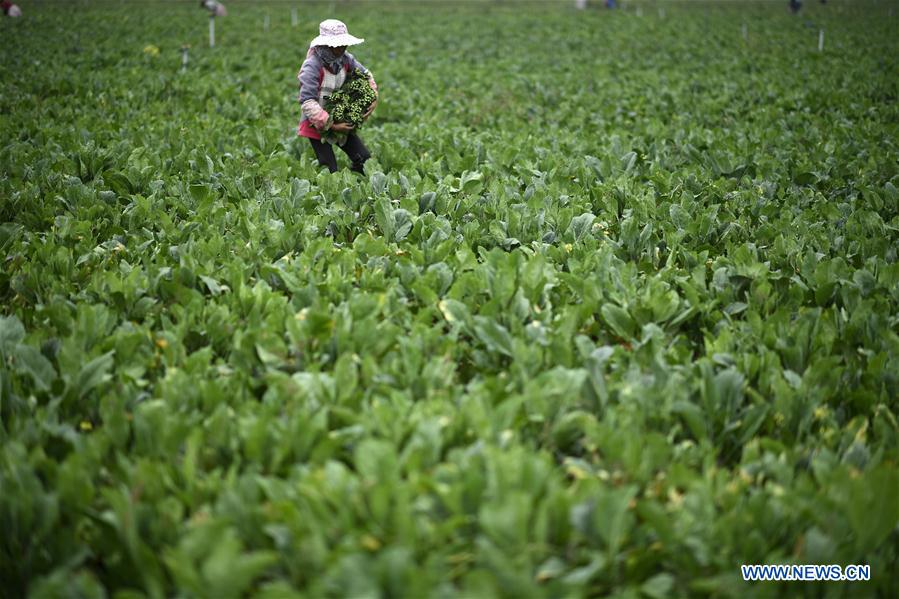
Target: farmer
[(323, 72), (216, 9), (10, 9)]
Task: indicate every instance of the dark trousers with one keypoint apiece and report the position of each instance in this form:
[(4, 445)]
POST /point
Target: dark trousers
[(354, 148)]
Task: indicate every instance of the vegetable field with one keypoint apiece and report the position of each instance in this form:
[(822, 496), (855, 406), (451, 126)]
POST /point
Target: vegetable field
[(614, 310)]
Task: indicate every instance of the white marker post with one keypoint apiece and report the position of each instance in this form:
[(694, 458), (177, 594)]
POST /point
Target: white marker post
[(293, 17), (745, 32), (820, 40), (265, 23), (184, 50), (580, 4), (211, 31), (639, 12), (661, 13)]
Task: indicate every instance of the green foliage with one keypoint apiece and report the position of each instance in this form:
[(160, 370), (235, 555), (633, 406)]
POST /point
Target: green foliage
[(349, 103), (614, 312)]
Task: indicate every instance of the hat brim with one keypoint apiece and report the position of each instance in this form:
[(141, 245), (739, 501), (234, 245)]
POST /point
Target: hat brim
[(333, 41)]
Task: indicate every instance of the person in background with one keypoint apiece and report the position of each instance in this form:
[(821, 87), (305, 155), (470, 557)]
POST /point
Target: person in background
[(10, 9), (216, 9), (795, 5), (323, 72)]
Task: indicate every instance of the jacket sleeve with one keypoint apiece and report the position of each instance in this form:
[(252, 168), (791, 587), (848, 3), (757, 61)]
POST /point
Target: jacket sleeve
[(355, 64), (310, 80)]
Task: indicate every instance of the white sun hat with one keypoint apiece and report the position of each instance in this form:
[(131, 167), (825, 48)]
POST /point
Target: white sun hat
[(334, 33)]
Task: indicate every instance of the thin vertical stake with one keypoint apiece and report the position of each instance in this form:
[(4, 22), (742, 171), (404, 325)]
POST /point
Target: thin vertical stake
[(265, 22), (821, 40), (661, 13), (211, 31), (184, 59), (744, 31), (293, 17)]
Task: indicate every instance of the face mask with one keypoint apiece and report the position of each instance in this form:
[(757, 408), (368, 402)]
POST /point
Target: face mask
[(329, 57)]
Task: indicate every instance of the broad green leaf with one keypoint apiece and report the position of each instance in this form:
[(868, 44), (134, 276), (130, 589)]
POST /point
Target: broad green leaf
[(659, 586), (200, 192), (580, 225), (619, 319), (211, 284), (228, 571), (402, 224), (120, 183), (426, 202), (11, 332), (384, 216), (873, 509), (29, 360), (378, 183), (493, 335), (612, 517), (454, 311), (9, 233), (469, 182), (805, 178), (693, 416), (94, 373)]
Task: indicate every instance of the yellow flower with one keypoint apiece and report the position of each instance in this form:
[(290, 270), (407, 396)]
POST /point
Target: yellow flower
[(371, 543), (675, 498), (151, 50)]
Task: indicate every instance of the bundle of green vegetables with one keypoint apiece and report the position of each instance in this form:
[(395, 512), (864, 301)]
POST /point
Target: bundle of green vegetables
[(352, 100)]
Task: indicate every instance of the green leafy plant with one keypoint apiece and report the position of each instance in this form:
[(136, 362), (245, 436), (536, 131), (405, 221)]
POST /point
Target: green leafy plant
[(598, 323)]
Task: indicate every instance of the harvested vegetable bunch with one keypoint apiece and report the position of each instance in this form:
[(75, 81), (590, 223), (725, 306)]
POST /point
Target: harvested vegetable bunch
[(349, 103)]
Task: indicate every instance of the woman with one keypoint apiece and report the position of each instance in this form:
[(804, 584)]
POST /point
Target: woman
[(323, 72)]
